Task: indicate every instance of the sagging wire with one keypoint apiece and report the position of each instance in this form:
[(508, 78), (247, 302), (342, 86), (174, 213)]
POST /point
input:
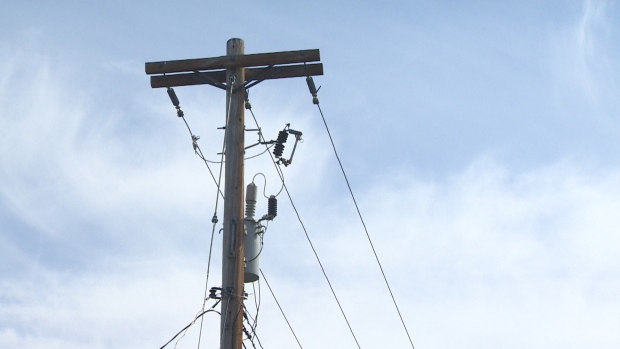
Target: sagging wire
[(251, 335), (281, 174), (261, 139), (259, 154), (265, 186), (315, 100), (184, 329), (257, 301), (175, 101)]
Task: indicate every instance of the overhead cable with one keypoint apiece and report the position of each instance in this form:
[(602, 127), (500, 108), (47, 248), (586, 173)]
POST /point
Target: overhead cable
[(315, 100), (308, 237), (282, 311)]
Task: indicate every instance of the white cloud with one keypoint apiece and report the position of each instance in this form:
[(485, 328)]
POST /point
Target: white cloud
[(487, 256), (109, 220)]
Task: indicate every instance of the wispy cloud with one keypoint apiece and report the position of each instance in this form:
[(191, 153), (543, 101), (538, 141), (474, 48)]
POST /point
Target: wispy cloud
[(585, 76), (478, 255), (105, 224)]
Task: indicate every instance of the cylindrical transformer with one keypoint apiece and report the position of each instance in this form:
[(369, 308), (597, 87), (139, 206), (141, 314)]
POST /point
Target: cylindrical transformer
[(252, 241), (252, 251)]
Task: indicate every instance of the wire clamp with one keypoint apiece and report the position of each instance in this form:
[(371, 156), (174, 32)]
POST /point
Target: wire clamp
[(195, 142)]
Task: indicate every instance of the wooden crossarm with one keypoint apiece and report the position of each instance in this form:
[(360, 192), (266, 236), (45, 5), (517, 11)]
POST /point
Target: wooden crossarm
[(198, 78), (233, 61)]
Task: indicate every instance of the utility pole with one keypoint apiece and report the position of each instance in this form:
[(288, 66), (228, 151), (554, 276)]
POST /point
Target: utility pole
[(233, 253), (235, 73)]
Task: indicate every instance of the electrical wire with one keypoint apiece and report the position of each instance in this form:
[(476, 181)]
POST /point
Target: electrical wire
[(208, 271), (230, 297), (257, 155), (309, 240), (251, 334), (229, 294), (265, 181), (282, 311), (198, 151), (257, 301), (189, 325), (365, 228), (321, 265), (214, 219)]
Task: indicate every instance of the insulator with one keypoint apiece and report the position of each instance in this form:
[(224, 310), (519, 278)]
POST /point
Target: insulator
[(272, 207), (282, 136), (279, 147), (247, 100), (313, 90), (311, 86), (173, 97), (250, 200)]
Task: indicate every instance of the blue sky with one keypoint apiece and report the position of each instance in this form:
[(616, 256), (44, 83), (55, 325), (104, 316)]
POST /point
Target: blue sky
[(480, 139)]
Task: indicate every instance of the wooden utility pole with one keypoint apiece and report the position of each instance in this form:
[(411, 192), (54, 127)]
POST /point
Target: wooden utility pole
[(235, 73)]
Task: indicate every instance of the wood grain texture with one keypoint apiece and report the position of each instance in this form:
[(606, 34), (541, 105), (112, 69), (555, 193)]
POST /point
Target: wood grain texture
[(251, 74), (233, 61)]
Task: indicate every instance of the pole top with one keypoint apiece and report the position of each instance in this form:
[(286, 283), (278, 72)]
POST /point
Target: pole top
[(235, 46)]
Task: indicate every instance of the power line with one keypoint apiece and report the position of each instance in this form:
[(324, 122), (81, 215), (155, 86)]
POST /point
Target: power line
[(251, 334), (214, 219), (282, 311), (314, 91), (248, 106), (198, 152), (184, 329), (175, 101)]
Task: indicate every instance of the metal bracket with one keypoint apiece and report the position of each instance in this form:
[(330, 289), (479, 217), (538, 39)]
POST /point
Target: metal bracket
[(260, 135), (231, 248), (210, 80), (262, 76)]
